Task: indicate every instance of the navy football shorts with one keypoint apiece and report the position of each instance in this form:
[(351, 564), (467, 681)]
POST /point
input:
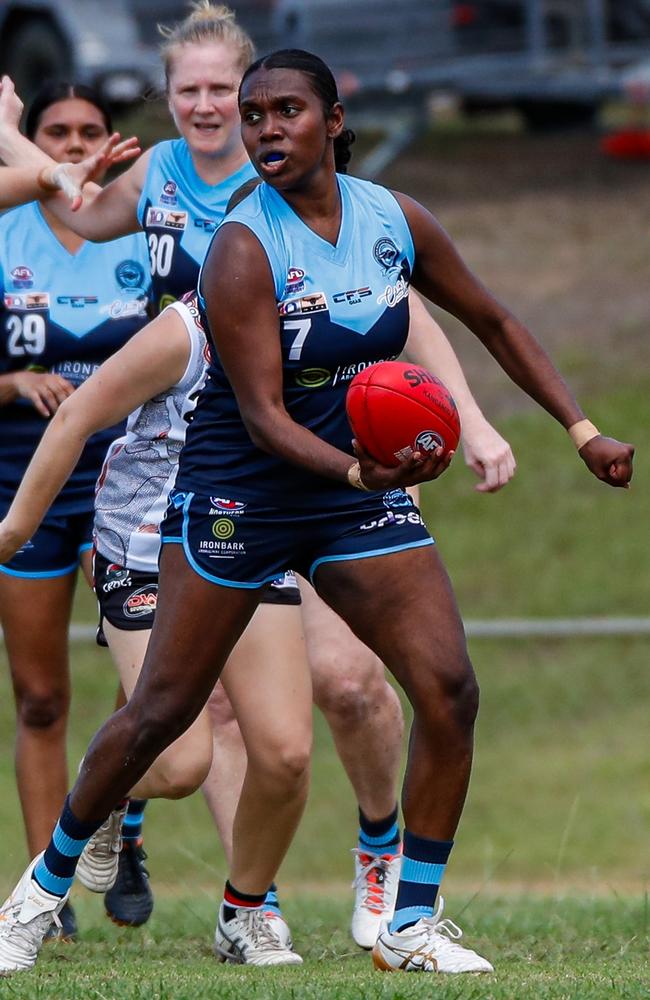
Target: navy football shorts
[(240, 543), (127, 598), (55, 548)]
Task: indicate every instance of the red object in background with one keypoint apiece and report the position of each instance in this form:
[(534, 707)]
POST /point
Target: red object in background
[(396, 408), (627, 144)]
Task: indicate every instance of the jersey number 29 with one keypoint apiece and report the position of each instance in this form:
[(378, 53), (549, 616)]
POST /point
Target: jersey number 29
[(26, 335)]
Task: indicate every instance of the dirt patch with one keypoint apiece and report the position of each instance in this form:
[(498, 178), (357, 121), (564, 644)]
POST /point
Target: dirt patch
[(560, 233)]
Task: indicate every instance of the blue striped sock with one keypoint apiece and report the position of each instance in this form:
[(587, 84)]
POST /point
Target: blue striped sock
[(379, 836), (271, 902), (132, 826), (423, 865), (55, 870)]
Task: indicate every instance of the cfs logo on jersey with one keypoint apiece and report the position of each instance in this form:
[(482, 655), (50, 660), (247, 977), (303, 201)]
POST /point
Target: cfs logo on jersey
[(353, 297), (141, 602), (221, 505)]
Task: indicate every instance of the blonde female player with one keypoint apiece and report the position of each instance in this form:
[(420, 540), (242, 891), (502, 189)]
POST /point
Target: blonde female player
[(177, 192)]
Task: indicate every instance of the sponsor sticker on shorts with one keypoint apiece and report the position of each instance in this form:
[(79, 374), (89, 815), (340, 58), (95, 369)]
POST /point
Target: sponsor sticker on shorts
[(141, 602)]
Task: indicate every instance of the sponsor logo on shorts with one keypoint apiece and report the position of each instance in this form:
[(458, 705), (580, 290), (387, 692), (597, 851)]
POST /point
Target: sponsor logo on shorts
[(316, 302), (398, 498), (393, 519), (221, 549), (313, 378), (75, 371), (352, 297), (223, 528), (345, 373), (141, 602), (23, 276), (220, 505), (115, 578)]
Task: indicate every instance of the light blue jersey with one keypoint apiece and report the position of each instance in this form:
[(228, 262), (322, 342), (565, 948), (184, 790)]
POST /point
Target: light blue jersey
[(340, 309), (63, 313), (179, 212)]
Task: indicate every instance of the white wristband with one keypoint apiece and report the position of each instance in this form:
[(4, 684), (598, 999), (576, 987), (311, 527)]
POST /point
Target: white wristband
[(582, 432), (354, 478)]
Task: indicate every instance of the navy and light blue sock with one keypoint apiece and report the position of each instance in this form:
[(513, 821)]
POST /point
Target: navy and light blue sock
[(55, 870), (379, 836), (271, 903), (423, 865), (132, 826)]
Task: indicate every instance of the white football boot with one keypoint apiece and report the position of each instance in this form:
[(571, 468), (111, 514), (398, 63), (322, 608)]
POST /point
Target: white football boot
[(251, 938), (25, 919), (428, 946), (278, 925), (99, 862), (376, 881)]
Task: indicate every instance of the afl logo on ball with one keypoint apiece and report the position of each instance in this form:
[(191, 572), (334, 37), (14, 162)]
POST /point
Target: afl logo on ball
[(429, 441)]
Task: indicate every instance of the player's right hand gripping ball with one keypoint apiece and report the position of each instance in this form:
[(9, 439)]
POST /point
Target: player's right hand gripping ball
[(396, 409)]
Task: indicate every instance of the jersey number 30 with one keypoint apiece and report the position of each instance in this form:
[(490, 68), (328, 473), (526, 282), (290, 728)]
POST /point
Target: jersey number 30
[(161, 253), (26, 335)]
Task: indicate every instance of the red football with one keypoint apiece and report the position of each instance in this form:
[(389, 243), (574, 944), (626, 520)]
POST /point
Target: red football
[(396, 408)]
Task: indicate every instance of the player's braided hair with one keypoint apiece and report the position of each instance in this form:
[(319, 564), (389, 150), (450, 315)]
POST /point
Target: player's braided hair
[(323, 84), (64, 90), (207, 22)]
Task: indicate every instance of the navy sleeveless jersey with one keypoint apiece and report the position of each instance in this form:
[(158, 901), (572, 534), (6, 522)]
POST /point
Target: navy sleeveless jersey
[(340, 309), (63, 313), (179, 213)]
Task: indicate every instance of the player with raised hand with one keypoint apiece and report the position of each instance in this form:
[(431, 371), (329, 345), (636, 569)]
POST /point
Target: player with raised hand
[(66, 306), (177, 192), (268, 438)]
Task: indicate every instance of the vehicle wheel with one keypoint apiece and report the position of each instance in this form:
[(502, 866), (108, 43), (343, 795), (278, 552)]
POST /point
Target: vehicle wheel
[(35, 52), (558, 116)]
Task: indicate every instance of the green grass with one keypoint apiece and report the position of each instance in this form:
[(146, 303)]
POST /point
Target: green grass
[(550, 873)]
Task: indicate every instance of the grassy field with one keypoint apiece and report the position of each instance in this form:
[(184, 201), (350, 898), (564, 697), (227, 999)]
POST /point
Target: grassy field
[(551, 870)]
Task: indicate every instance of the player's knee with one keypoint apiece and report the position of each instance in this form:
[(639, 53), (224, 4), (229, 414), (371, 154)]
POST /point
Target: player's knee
[(220, 710), (350, 695), (42, 710), (284, 767), (151, 728), (448, 692), (178, 776)]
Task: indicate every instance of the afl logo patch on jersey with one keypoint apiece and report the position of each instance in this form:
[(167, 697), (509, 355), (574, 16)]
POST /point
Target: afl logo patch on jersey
[(23, 276), (168, 193), (129, 274), (295, 281), (385, 253)]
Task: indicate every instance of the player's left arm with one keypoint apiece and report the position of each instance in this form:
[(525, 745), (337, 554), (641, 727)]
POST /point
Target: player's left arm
[(486, 452), (442, 276)]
